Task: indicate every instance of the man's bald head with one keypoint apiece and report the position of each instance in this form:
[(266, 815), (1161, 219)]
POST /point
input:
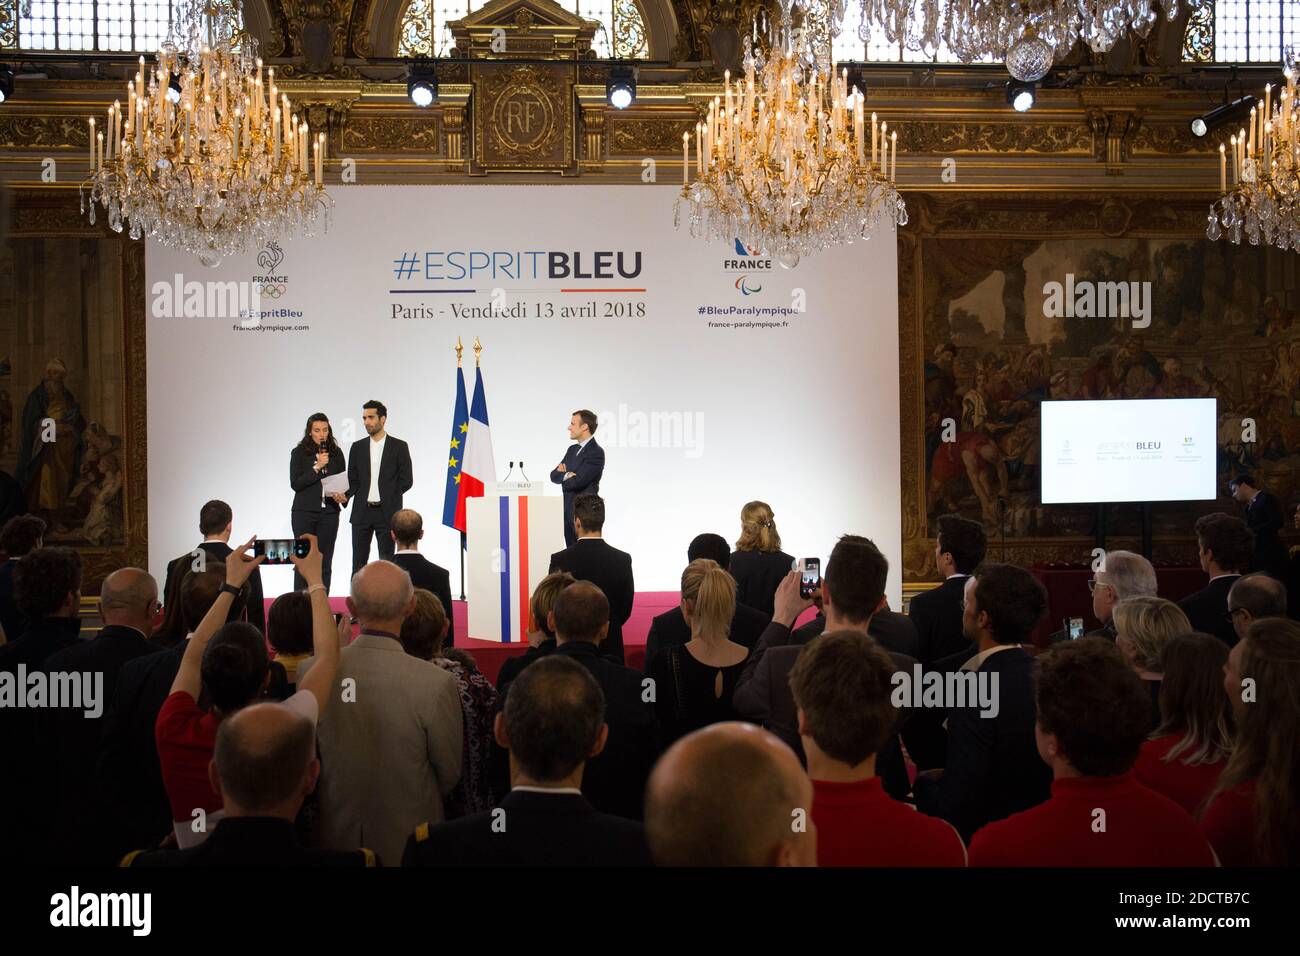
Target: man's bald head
[(264, 763), (731, 794), (382, 594), (580, 613), (129, 597)]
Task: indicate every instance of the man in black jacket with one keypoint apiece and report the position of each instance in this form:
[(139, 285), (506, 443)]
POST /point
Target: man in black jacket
[(591, 559), (264, 765), (852, 594), (379, 473), (993, 768), (959, 547), (670, 629), (554, 722), (19, 536), (580, 470), (408, 529), (1264, 519), (215, 522), (1224, 545)]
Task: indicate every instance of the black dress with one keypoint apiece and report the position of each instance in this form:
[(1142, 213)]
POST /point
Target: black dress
[(686, 697), (757, 575)]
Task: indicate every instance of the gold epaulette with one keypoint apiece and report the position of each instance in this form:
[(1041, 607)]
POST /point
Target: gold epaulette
[(130, 857), (422, 833), (370, 857)]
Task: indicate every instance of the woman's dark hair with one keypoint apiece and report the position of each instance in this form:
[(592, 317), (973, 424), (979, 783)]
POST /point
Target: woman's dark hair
[(234, 666), (289, 624), (1193, 701), (309, 443)]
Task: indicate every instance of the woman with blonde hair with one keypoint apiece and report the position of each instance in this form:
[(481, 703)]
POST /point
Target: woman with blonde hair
[(1144, 626), (694, 681), (1253, 817), (758, 564)]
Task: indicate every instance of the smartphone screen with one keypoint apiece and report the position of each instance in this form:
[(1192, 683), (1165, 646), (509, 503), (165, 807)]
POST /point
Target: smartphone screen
[(277, 550), (1076, 628), (810, 578)]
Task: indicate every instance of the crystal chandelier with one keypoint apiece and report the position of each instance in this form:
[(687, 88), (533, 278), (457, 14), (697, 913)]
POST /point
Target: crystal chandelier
[(786, 161), (206, 156), (1259, 175), (1021, 33)]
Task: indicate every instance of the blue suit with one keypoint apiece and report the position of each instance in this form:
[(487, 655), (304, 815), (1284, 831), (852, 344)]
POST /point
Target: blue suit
[(586, 467)]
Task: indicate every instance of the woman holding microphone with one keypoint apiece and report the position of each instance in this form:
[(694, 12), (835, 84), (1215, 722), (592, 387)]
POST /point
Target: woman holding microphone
[(314, 511)]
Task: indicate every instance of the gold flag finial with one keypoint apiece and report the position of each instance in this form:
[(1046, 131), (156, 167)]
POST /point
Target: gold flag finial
[(478, 350), (459, 349)]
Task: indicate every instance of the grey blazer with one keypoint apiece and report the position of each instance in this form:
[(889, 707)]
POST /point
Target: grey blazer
[(390, 744)]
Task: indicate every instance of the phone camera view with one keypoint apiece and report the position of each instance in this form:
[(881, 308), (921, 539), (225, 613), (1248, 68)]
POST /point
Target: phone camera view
[(810, 577), (278, 550)]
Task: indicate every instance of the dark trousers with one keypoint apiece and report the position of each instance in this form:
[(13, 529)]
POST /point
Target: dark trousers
[(570, 535), (324, 524), (372, 520)]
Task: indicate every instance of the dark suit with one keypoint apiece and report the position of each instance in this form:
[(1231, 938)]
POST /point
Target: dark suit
[(993, 768), (1264, 518), (252, 842), (130, 785), (12, 620), (757, 575), (615, 780), (218, 551), (512, 667), (395, 480), (670, 629), (425, 574), (592, 559), (586, 464), (69, 765), (314, 512), (1207, 609), (541, 829), (763, 695), (936, 614)]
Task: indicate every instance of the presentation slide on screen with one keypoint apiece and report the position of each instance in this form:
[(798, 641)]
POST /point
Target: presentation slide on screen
[(717, 375), (1137, 450)]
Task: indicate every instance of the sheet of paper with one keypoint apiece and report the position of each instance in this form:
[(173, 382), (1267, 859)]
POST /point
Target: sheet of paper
[(335, 484)]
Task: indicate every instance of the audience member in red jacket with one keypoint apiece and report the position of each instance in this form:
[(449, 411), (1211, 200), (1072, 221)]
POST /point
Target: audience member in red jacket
[(1190, 746), (1253, 818), (1092, 715), (842, 684)]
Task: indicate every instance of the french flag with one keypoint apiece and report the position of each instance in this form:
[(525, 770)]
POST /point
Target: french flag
[(478, 465)]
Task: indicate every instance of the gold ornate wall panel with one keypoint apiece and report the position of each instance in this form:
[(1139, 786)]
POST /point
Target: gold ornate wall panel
[(523, 118)]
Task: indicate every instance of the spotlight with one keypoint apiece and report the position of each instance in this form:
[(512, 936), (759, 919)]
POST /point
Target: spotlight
[(620, 88), (1222, 114), (422, 85), (174, 89), (6, 83), (1021, 95)]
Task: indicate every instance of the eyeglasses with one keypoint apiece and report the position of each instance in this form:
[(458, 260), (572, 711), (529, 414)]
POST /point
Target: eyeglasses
[(1093, 584)]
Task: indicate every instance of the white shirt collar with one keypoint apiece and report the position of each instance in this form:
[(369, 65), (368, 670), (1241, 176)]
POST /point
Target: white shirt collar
[(976, 662), (583, 444), (407, 551), (553, 790), (1226, 574), (958, 574)]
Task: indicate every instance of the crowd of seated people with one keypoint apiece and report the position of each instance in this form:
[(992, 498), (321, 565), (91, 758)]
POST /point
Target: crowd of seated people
[(208, 735)]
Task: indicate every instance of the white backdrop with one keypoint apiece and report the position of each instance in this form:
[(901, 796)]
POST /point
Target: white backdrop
[(697, 415)]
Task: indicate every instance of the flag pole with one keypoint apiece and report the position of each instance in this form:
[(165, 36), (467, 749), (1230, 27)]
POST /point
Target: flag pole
[(459, 350)]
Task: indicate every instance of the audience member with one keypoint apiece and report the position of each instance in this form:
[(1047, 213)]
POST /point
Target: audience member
[(541, 639), (591, 559), (392, 752), (1253, 596), (128, 599), (263, 767), (47, 591), (1144, 626), (1253, 817), (959, 549), (19, 536), (1122, 575), (1091, 721), (407, 531), (670, 629), (730, 795), (424, 634), (1264, 519), (694, 682), (842, 685), (758, 564), (1224, 545), (852, 594), (215, 522), (993, 768), (228, 664), (1187, 751), (289, 631), (553, 723)]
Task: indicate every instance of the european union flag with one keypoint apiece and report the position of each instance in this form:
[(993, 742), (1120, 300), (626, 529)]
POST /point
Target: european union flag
[(455, 451)]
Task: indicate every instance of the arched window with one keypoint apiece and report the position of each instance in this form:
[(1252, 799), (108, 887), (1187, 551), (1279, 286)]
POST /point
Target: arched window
[(106, 26), (422, 30), (1243, 31)]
